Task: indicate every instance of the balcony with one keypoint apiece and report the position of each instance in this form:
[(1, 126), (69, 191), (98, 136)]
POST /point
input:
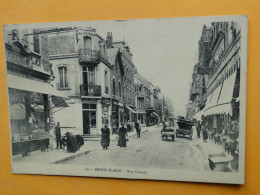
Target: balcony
[(141, 95), (90, 90), (89, 56)]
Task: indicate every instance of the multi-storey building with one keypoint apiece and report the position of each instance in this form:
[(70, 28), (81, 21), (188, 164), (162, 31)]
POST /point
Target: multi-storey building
[(30, 94), (82, 72), (122, 81), (219, 65), (143, 99)]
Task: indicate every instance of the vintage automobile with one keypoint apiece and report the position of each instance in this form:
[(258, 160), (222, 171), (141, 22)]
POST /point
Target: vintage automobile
[(167, 133), (185, 128)]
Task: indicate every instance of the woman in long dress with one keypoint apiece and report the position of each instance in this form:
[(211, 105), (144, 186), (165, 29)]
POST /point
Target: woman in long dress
[(122, 136), (72, 145), (105, 137)]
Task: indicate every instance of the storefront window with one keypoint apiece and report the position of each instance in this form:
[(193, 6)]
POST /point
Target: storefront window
[(18, 114), (37, 111), (89, 115), (28, 115)]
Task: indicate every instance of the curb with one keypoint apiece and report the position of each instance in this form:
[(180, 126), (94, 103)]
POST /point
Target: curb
[(70, 157)]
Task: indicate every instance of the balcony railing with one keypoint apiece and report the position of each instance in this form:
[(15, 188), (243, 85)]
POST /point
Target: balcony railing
[(88, 55), (90, 90), (140, 95)]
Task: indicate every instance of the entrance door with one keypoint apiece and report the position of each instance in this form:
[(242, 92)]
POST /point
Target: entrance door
[(86, 122), (89, 117)]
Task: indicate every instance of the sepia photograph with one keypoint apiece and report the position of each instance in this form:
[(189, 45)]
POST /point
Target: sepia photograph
[(158, 99)]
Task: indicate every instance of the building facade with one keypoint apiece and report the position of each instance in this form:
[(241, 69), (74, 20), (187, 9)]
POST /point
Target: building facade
[(144, 100), (122, 82), (82, 72), (216, 98), (30, 94)]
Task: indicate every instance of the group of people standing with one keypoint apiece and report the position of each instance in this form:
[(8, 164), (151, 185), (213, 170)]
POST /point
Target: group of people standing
[(71, 141), (122, 134)]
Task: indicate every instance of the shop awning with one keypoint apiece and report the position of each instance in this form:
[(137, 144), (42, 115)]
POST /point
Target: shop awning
[(24, 84), (227, 89), (59, 102), (219, 109), (133, 111), (223, 104)]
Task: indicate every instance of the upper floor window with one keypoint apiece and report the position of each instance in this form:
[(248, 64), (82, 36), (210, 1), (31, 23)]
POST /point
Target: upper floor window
[(87, 42), (114, 86), (63, 81), (88, 75), (106, 81)]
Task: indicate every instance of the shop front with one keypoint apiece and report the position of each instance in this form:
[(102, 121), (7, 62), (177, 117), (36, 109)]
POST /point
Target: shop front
[(221, 113), (29, 110)]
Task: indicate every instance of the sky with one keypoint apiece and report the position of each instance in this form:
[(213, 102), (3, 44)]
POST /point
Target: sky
[(164, 51)]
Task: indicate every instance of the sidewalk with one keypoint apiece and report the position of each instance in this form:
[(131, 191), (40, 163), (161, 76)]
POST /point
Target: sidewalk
[(214, 151), (57, 156)]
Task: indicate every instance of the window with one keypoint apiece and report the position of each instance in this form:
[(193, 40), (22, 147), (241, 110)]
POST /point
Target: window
[(119, 89), (91, 75), (88, 74), (106, 81), (63, 77), (114, 86), (87, 43)]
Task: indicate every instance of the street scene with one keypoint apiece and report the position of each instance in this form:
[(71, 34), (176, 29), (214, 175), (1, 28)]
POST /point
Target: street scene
[(126, 93)]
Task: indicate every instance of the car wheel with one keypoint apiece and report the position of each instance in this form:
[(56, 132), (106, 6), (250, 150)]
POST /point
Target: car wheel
[(173, 138)]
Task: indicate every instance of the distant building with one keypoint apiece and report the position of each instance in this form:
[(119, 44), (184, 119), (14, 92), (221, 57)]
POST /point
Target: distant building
[(144, 92), (122, 81)]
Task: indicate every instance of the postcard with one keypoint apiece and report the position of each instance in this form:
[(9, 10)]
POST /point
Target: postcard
[(157, 99)]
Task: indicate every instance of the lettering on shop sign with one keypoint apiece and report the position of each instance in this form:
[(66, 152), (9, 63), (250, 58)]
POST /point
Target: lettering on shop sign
[(16, 58)]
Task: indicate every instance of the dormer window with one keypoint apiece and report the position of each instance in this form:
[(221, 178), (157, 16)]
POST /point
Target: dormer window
[(87, 43)]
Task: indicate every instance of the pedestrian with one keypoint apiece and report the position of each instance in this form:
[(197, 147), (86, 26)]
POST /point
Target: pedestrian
[(72, 145), (105, 137), (137, 128), (58, 136), (122, 136), (198, 128), (205, 135), (128, 126)]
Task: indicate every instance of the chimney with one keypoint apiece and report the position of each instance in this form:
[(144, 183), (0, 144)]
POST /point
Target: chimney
[(109, 40)]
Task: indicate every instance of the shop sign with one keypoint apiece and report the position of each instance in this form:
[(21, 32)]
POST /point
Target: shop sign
[(17, 58)]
